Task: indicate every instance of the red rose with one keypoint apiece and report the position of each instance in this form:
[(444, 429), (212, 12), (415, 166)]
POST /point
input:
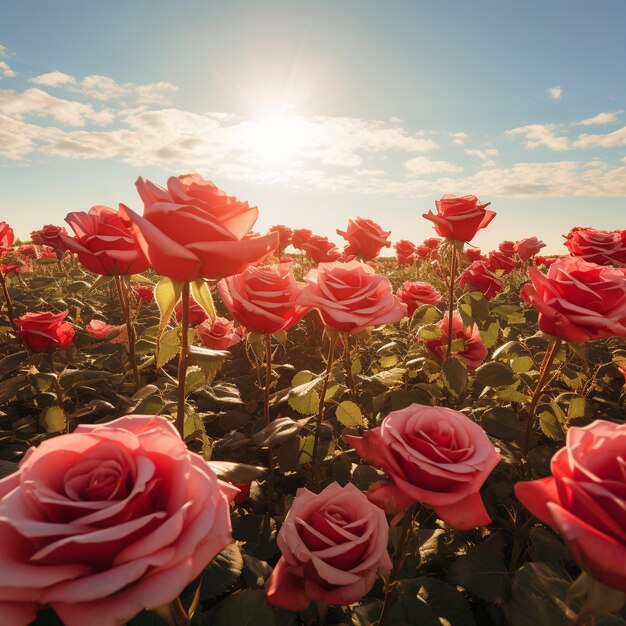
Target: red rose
[(26, 250), (508, 248), (300, 237), (414, 294), (320, 250), (585, 499), (474, 254), (145, 293), (432, 455), (422, 251), (264, 299), (460, 218), (528, 247), (7, 236), (285, 235), (432, 243), (477, 275), (405, 251), (194, 230), (106, 521), (351, 296), (103, 243), (332, 544), (472, 351), (365, 238), (197, 314), (50, 235), (578, 301), (219, 334), (40, 331), (500, 261), (604, 247), (547, 261)]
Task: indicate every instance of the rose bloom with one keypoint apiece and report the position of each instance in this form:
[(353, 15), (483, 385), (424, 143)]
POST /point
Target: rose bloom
[(478, 276), (106, 521), (284, 237), (192, 229), (197, 314), (585, 499), (264, 299), (473, 350), (528, 247), (351, 297), (500, 261), (414, 294), (433, 455), (508, 248), (218, 334), (365, 238), (578, 301), (320, 250), (50, 235), (300, 237), (102, 330), (103, 243), (460, 218), (432, 243), (604, 247), (7, 236), (547, 261), (422, 251), (26, 250), (145, 293), (332, 544), (474, 254), (405, 251), (40, 331)]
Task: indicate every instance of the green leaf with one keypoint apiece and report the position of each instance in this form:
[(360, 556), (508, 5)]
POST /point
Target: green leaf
[(168, 346), (411, 610), (236, 472), (446, 602), (490, 336), (504, 424), (245, 608), (495, 374), (202, 295), (522, 364), (429, 332), (167, 293), (307, 404), (276, 432), (54, 419), (221, 572), (455, 375), (209, 361), (349, 414)]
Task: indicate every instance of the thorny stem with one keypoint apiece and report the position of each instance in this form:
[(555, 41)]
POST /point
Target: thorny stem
[(453, 265), (320, 414), (266, 417), (7, 299), (122, 291), (182, 362), (348, 366)]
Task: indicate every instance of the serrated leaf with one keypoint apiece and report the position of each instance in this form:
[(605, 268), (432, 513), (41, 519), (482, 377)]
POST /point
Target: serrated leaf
[(167, 293), (490, 335), (168, 346), (54, 419), (349, 414), (495, 374), (455, 375), (202, 295), (522, 364), (307, 404), (429, 332), (236, 472)]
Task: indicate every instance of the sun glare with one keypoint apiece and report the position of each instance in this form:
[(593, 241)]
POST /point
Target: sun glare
[(276, 140)]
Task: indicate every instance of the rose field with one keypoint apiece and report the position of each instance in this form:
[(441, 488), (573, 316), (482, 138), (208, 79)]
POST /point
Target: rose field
[(204, 425)]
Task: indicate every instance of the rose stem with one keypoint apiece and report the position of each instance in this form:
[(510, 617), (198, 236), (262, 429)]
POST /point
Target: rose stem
[(398, 560), (451, 298), (551, 352), (266, 417), (320, 413), (348, 366), (122, 291), (58, 389), (7, 299), (182, 362)]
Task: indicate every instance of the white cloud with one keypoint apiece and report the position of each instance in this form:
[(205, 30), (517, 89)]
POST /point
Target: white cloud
[(483, 155), (5, 70), (555, 93), (53, 79), (609, 140), (600, 119), (4, 51), (425, 165), (459, 138), (536, 135)]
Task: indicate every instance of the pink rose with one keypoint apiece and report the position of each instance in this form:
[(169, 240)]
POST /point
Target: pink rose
[(194, 230), (546, 261), (500, 261), (7, 236), (604, 247), (102, 242), (578, 301), (351, 296), (320, 250), (365, 238), (585, 499), (106, 521), (432, 455), (478, 276), (102, 330), (405, 251), (285, 235), (528, 247), (414, 294), (460, 218), (300, 237), (264, 299), (219, 334), (50, 235), (332, 544), (474, 254), (40, 331), (472, 351), (197, 314), (508, 248)]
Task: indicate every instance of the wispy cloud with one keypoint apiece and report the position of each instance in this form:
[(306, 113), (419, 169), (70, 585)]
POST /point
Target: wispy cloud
[(426, 165), (536, 135), (555, 93), (600, 119), (5, 70)]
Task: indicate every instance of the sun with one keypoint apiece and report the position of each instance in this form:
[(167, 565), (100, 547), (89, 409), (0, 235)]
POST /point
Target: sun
[(275, 140)]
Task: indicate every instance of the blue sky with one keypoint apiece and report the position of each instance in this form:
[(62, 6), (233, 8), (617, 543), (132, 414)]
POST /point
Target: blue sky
[(320, 111)]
